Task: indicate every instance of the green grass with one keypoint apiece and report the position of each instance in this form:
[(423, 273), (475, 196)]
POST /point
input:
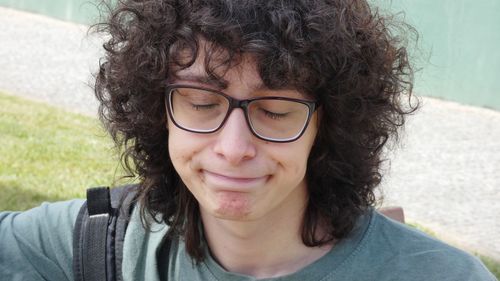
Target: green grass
[(48, 154), (492, 265)]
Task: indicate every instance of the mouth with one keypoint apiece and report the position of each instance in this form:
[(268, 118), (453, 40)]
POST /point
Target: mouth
[(233, 182)]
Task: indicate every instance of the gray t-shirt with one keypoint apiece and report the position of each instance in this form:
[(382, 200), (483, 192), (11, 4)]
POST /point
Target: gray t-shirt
[(377, 249), (37, 245)]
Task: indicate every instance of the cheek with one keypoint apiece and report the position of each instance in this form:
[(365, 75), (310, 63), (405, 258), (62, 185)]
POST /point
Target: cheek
[(180, 148), (301, 162), (185, 148), (293, 157), (292, 160)]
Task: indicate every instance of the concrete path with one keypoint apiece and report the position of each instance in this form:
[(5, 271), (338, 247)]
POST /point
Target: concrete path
[(446, 175), (48, 60)]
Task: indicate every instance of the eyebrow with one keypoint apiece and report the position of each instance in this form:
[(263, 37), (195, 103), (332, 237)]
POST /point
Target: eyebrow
[(220, 84), (203, 79)]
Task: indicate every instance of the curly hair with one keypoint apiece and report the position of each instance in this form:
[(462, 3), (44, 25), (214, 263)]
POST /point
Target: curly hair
[(343, 53)]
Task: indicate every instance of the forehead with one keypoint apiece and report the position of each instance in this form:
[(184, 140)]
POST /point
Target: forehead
[(216, 69)]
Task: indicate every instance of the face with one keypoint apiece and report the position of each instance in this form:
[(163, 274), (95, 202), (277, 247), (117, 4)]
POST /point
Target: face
[(233, 174)]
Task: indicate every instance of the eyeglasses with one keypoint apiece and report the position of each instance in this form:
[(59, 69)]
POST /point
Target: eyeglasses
[(275, 119)]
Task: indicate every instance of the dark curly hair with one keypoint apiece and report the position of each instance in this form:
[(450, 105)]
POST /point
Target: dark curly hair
[(343, 53)]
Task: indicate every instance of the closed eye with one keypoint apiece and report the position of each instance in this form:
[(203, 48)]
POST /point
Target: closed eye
[(203, 106), (274, 115)]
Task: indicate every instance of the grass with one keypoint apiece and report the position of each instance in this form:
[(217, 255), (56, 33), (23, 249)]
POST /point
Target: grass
[(48, 154), (492, 265)]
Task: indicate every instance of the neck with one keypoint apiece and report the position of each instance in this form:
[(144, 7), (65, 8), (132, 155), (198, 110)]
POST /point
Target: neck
[(264, 248)]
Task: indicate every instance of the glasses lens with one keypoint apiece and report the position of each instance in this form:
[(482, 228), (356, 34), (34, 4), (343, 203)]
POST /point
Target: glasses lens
[(197, 110), (277, 119)]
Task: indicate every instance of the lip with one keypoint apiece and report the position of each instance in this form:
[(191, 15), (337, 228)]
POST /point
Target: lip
[(233, 182)]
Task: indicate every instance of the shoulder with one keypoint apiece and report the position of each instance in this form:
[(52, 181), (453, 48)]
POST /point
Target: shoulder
[(38, 243), (58, 216), (395, 251)]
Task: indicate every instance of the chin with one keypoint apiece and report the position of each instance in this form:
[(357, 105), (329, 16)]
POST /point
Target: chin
[(232, 213), (229, 201), (232, 216), (233, 207)]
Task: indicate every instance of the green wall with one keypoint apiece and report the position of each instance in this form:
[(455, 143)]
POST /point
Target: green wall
[(80, 11), (458, 49)]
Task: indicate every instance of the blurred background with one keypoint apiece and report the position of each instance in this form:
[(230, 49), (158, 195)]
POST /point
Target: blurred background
[(445, 173), (459, 40)]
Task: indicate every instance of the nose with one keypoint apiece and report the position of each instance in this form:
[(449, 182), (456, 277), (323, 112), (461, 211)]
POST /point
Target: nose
[(235, 141)]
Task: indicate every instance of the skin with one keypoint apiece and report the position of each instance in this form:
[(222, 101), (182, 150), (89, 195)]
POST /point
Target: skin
[(252, 193)]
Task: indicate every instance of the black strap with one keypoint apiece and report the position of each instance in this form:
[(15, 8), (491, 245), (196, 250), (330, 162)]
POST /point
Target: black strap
[(96, 230), (78, 243), (99, 233), (122, 202), (98, 201)]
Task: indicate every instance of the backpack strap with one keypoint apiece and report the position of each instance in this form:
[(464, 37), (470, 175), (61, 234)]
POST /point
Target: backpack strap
[(99, 233), (122, 202)]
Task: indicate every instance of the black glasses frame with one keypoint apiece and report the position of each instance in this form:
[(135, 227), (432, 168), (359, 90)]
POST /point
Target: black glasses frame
[(237, 103)]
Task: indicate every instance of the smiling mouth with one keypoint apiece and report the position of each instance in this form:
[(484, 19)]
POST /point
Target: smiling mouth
[(232, 182)]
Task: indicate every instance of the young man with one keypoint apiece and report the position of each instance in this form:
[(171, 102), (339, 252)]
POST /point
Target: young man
[(256, 129)]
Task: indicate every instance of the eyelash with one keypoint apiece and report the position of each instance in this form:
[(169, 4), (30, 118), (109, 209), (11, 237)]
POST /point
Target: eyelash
[(203, 106), (274, 116)]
